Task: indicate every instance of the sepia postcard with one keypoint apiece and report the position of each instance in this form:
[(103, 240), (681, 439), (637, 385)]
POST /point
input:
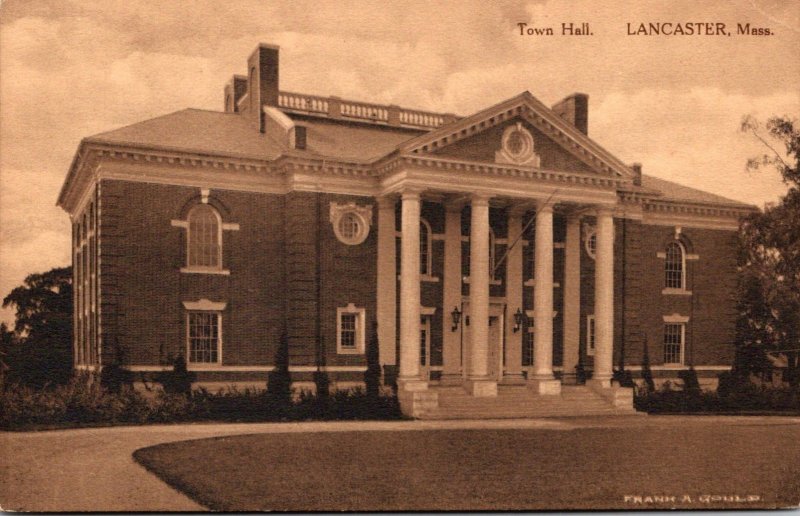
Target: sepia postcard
[(365, 256)]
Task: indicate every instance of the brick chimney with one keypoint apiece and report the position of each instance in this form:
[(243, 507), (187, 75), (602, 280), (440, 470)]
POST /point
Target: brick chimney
[(234, 91), (637, 174), (262, 81), (575, 110)]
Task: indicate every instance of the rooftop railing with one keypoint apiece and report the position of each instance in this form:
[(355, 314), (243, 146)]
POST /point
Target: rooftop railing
[(336, 108)]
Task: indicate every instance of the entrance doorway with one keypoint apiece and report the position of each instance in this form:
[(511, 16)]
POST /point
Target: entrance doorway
[(495, 344)]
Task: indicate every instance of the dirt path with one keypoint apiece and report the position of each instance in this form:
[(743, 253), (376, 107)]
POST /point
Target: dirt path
[(93, 470)]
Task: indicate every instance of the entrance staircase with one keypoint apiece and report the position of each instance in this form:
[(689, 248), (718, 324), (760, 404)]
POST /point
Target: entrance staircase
[(514, 402)]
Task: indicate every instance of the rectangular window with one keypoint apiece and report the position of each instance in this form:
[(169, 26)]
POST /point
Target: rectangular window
[(590, 335), (527, 347), (673, 343), (204, 337), (350, 330)]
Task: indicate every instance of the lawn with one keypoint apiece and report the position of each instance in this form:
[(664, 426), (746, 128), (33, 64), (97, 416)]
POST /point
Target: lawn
[(489, 469)]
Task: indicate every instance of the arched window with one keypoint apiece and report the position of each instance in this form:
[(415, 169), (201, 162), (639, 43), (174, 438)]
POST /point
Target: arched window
[(425, 251), (674, 266), (204, 238)]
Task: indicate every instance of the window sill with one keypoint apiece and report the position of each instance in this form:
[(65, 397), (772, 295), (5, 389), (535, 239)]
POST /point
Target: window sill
[(465, 280), (197, 270), (203, 366), (676, 292), (228, 368), (426, 278), (341, 351), (672, 366), (532, 283)]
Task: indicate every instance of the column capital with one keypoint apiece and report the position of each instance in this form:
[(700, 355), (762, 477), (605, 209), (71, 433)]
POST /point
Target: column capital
[(386, 202), (545, 206), (604, 210), (411, 193), (480, 199), (518, 209), (455, 204)]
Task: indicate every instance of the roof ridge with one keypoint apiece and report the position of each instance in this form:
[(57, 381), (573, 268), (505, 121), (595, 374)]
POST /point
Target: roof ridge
[(136, 123), (719, 198)]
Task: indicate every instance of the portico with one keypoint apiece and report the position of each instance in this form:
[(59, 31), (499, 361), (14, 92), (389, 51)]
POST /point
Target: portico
[(476, 355), (510, 181)]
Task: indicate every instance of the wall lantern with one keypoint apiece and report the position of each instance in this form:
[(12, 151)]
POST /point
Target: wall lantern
[(456, 314), (519, 317)]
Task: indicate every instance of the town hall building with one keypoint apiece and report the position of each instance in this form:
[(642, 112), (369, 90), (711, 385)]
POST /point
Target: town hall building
[(493, 265)]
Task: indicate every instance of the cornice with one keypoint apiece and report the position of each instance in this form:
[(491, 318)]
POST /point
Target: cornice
[(497, 169), (692, 208)]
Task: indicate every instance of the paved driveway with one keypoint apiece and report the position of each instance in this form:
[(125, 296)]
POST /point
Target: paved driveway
[(92, 469)]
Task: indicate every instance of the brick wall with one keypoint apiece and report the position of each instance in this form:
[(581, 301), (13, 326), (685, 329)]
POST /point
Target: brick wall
[(143, 288), (711, 307)]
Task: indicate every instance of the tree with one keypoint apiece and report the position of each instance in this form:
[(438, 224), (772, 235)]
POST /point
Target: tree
[(40, 350), (769, 290)]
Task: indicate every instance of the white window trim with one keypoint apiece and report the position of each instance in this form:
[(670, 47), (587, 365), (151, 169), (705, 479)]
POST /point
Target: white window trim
[(683, 267), (530, 315), (360, 329), (428, 274), (362, 213), (589, 231), (676, 291), (223, 226), (590, 325), (682, 324), (203, 365), (676, 319), (204, 305), (425, 324)]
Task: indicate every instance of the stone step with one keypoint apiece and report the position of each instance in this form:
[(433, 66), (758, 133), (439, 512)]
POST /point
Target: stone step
[(449, 414)]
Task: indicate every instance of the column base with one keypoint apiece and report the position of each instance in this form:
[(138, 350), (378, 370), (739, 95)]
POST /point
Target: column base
[(550, 387), (481, 387), (513, 379), (569, 379), (411, 385), (601, 383), (417, 404)]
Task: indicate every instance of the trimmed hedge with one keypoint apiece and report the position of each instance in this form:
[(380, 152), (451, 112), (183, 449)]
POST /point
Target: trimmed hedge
[(86, 403), (731, 397)]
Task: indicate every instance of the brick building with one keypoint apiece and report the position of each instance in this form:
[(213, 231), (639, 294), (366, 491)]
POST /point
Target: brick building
[(500, 252)]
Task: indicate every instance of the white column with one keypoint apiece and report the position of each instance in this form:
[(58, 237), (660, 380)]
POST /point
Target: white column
[(409, 374), (387, 282), (604, 298), (513, 344), (542, 378), (479, 383), (572, 297), (451, 346)]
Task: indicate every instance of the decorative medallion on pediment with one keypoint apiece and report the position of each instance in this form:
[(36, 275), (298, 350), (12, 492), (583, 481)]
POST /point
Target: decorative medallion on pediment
[(517, 147)]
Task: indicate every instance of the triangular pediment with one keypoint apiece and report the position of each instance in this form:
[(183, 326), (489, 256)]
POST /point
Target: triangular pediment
[(485, 135)]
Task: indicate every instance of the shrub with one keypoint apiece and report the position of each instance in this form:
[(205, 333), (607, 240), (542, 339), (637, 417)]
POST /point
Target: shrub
[(179, 379), (86, 401)]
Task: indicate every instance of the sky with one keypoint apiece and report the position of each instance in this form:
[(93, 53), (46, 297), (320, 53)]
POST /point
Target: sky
[(74, 68)]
